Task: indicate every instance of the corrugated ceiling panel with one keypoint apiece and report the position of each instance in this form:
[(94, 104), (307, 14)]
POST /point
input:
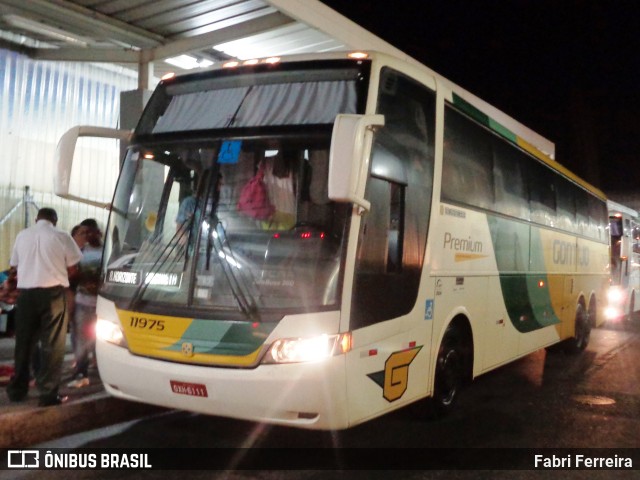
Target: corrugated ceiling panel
[(296, 38), (189, 28)]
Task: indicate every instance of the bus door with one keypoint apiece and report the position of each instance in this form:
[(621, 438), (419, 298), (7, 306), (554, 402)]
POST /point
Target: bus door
[(388, 364)]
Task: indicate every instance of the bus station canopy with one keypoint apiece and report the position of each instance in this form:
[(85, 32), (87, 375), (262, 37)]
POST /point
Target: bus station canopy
[(145, 34), (155, 37)]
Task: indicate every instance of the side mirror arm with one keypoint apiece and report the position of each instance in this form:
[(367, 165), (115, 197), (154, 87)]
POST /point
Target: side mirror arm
[(350, 156), (64, 158)]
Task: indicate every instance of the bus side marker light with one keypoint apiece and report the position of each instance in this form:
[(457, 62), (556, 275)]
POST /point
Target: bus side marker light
[(358, 55)]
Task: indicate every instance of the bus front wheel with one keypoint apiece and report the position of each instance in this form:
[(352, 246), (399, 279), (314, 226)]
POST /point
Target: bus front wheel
[(450, 375)]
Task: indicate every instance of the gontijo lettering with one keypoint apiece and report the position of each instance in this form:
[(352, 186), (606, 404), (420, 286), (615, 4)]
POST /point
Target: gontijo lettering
[(567, 253)]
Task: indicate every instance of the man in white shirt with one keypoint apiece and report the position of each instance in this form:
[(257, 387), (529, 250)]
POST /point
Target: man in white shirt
[(44, 257)]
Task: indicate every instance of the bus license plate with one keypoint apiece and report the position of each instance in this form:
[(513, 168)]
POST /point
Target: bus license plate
[(193, 389)]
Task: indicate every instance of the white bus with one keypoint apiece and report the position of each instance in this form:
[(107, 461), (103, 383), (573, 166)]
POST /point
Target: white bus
[(315, 242), (624, 228)]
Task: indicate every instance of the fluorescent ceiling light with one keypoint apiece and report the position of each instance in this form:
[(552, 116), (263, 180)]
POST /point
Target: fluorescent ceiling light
[(187, 62), (34, 26)]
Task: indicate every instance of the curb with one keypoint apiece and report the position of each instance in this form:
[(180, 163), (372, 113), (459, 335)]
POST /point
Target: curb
[(31, 426)]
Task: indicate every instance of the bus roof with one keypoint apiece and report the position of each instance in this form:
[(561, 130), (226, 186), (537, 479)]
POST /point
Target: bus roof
[(479, 109)]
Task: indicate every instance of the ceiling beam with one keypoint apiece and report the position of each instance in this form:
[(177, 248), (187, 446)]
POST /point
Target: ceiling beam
[(15, 47), (79, 54), (171, 49), (222, 35), (65, 14)]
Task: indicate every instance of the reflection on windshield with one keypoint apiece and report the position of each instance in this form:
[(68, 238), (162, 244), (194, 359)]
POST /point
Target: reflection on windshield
[(242, 225)]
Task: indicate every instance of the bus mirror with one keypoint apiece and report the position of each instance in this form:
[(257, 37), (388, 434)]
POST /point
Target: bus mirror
[(349, 157), (64, 158)]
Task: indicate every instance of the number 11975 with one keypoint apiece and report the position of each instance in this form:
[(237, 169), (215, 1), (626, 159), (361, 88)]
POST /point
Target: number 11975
[(151, 324)]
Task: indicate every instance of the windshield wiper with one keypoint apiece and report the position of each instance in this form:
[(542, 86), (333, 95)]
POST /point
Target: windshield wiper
[(218, 242), (175, 248), (233, 118)]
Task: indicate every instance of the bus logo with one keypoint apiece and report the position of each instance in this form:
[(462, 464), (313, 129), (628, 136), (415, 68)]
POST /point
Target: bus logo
[(394, 379), (187, 349)]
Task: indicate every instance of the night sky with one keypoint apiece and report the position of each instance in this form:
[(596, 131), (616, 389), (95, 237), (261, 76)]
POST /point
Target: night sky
[(568, 69)]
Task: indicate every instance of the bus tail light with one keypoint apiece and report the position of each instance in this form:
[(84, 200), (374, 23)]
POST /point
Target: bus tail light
[(110, 332), (310, 349)]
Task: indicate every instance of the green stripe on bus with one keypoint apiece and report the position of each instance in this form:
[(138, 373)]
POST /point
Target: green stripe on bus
[(217, 337), (526, 295), (528, 304), (470, 110), (484, 119), (506, 133)]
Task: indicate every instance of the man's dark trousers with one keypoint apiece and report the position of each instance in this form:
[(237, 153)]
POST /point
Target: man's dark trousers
[(40, 316)]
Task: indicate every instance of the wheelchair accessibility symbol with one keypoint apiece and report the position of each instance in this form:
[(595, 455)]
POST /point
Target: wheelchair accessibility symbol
[(428, 310)]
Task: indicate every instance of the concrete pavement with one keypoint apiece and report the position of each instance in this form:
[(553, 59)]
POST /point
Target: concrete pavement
[(23, 424), (614, 360)]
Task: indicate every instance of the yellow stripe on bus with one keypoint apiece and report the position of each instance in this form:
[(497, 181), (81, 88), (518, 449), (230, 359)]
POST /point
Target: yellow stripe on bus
[(465, 257)]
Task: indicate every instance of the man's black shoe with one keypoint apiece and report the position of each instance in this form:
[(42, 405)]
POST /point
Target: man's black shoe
[(17, 398), (51, 401)]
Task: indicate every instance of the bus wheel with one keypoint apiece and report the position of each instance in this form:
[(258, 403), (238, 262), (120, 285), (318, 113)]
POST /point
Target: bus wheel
[(580, 339), (449, 372)]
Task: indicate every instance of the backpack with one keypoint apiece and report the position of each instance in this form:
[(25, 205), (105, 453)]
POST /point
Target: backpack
[(254, 198)]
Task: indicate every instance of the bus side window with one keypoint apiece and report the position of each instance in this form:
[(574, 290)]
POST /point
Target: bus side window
[(598, 218), (509, 183), (636, 238), (566, 198), (542, 198), (582, 212), (468, 162)]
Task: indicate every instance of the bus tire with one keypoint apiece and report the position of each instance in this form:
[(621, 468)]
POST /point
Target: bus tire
[(450, 372), (580, 339)]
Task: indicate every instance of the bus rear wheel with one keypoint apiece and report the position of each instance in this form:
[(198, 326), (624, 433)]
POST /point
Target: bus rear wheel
[(580, 339)]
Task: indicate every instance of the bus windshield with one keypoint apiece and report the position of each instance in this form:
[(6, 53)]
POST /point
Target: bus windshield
[(222, 204), (255, 233)]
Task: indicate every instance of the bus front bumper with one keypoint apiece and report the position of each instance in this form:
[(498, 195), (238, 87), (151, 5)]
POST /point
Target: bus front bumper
[(307, 395)]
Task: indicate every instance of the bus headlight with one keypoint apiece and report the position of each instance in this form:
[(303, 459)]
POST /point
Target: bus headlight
[(110, 332), (310, 349), (612, 313), (615, 295)]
